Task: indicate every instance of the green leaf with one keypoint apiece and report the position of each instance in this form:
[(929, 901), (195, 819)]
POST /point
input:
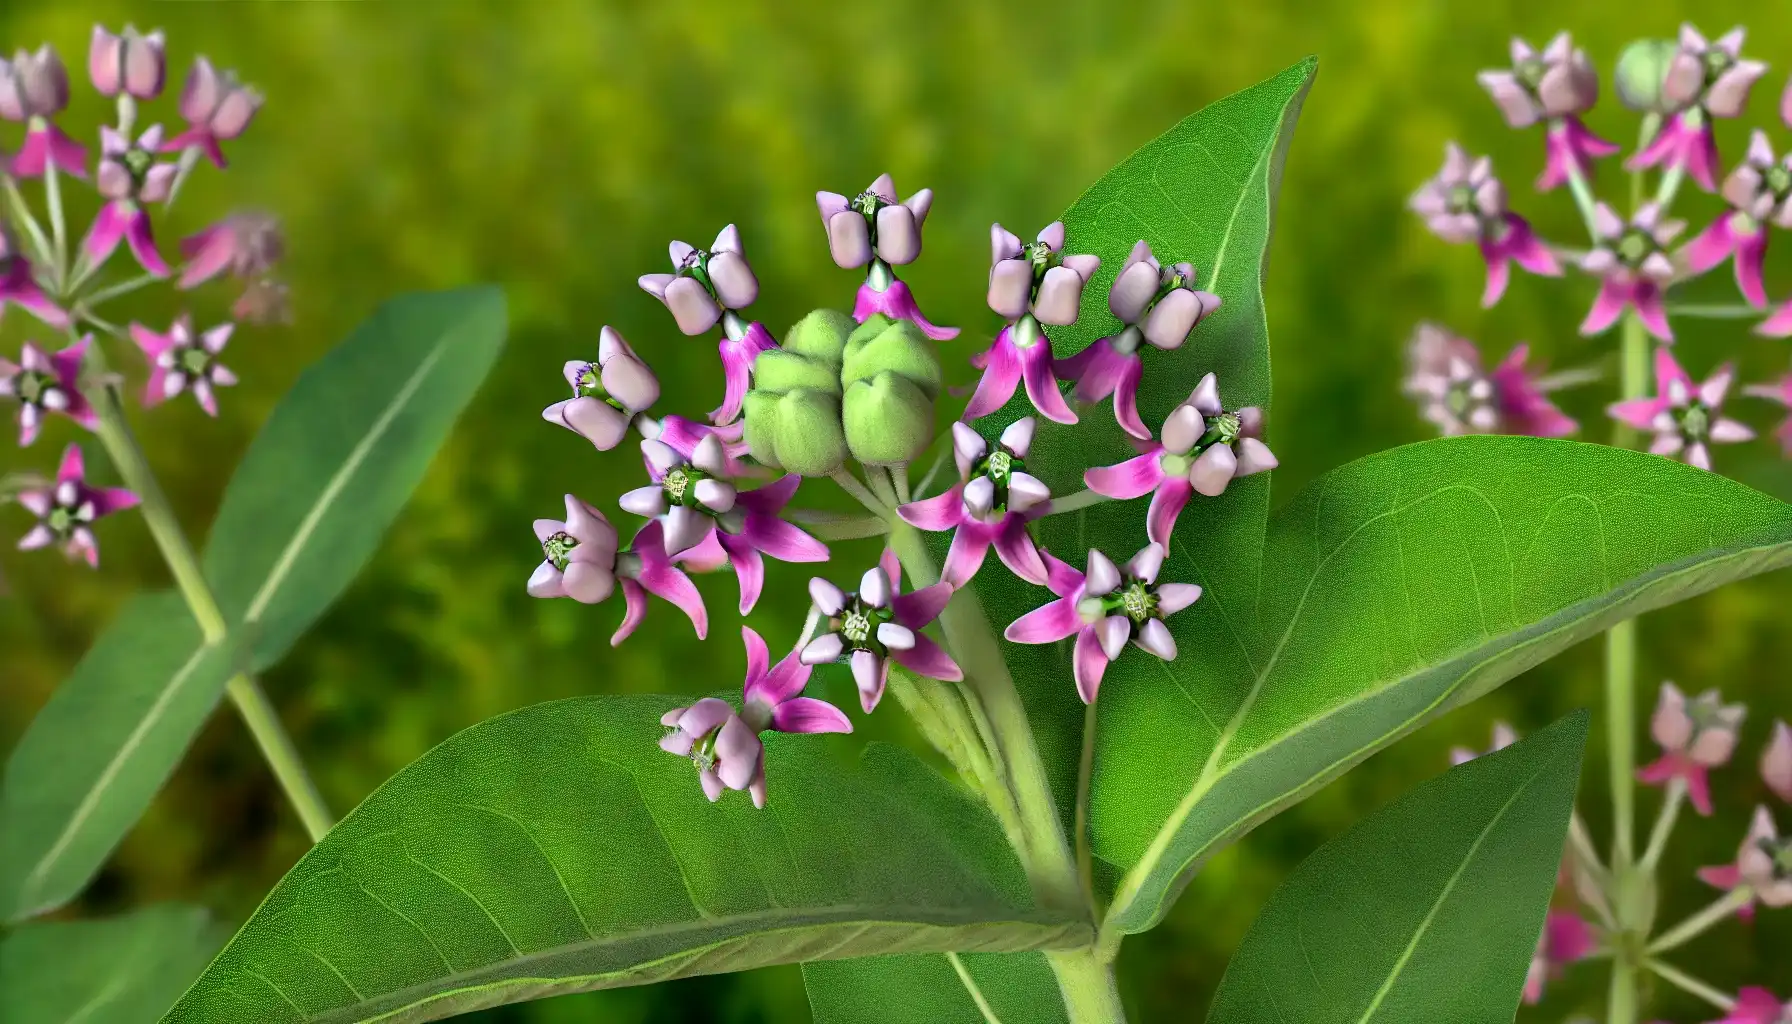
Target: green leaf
[(1204, 191), (341, 455), (1428, 909), (935, 988), (96, 754), (124, 970), (1393, 589), (557, 849)]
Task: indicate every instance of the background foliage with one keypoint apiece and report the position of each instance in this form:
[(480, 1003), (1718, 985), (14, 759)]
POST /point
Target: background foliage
[(556, 147)]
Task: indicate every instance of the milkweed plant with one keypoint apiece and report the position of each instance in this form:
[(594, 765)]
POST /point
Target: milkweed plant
[(1072, 585)]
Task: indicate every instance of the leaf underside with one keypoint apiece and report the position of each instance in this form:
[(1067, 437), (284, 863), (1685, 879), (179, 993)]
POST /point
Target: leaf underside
[(124, 970)]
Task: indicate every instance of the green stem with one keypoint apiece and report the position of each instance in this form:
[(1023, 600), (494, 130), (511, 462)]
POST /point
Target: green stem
[(1583, 199), (1680, 979), (1087, 984), (123, 288), (1621, 1003), (1698, 924), (1670, 186), (1074, 502), (899, 476), (832, 526), (58, 228), (34, 232), (1085, 859), (851, 485), (1664, 825), (258, 713)]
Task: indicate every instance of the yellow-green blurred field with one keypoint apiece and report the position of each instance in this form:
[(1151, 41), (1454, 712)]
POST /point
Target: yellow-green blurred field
[(555, 147)]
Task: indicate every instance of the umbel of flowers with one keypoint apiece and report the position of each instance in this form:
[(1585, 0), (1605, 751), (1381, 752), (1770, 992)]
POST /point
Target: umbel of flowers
[(138, 167), (850, 399), (1635, 259)]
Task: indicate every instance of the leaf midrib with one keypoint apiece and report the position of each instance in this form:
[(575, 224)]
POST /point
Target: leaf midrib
[(1055, 933), (340, 479), (1443, 896), (90, 801), (1567, 617)]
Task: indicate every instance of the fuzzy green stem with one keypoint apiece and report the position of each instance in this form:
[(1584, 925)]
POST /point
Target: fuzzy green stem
[(833, 526), (1698, 924), (1087, 984), (1720, 311), (1664, 825), (107, 294), (34, 232), (899, 476), (257, 712), (1583, 199), (1680, 979), (1075, 502), (1085, 860), (1620, 1005), (851, 485), (58, 226)]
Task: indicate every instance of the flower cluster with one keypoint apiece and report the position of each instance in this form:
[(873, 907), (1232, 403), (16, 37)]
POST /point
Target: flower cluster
[(137, 171), (851, 398), (1638, 259)]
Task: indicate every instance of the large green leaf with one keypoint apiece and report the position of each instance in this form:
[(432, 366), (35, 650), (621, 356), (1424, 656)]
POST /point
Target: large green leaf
[(557, 849), (1393, 589), (935, 988), (100, 749), (125, 970), (1427, 910), (340, 456), (1204, 191)]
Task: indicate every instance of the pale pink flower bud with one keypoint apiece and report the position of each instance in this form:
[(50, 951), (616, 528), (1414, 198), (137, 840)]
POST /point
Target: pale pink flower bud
[(132, 63)]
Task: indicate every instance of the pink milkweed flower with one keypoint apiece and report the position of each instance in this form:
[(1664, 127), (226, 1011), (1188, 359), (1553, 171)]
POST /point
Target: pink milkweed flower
[(1756, 1005), (751, 530), (1632, 261), (991, 504), (1202, 450), (1685, 417), (877, 625), (1776, 762), (34, 89), (1465, 203), (179, 360), (875, 228), (44, 384), (129, 179), (707, 287), (725, 745), (217, 108), (1565, 939), (685, 493), (684, 435), (1031, 285), (1503, 736), (1156, 304), (1759, 192), (738, 349), (582, 562), (1556, 87), (1778, 391), (1457, 394), (1763, 865), (18, 284), (248, 245), (1695, 737), (66, 512), (607, 394), (1703, 81), (131, 63), (1104, 609)]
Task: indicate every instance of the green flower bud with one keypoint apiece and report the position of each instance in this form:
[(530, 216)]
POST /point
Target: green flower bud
[(820, 335), (779, 371), (889, 420), (809, 439), (895, 346), (761, 426), (1642, 68)]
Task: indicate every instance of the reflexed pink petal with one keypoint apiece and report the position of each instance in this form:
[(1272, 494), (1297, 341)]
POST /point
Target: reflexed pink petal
[(1046, 624), (1614, 294), (1567, 938), (759, 661), (781, 540), (921, 607), (109, 227), (1646, 296), (1042, 387), (712, 784), (107, 500), (1751, 260), (897, 302), (634, 601), (1088, 664), (771, 498), (1133, 478), (208, 254), (670, 584), (1710, 246), (705, 715), (73, 467), (940, 512), (1000, 377), (1014, 546), (1727, 876), (929, 659), (749, 570), (1637, 412), (1776, 762), (808, 715), (1126, 400), (1095, 370), (970, 543), (1062, 578)]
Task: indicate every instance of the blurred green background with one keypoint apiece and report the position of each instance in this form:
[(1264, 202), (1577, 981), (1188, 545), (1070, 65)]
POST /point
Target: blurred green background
[(556, 147)]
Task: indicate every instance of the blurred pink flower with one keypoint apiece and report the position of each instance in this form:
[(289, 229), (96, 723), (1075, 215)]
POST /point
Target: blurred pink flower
[(34, 89), (1503, 736), (1464, 203), (67, 511), (1704, 80), (44, 384), (180, 361), (130, 63), (1695, 736), (1684, 417), (1555, 87), (216, 107), (1631, 259), (1758, 192), (1763, 864), (1757, 1006), (1776, 762), (1565, 939), (129, 179), (1460, 397)]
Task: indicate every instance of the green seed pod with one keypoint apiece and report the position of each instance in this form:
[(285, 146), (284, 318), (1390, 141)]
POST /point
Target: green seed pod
[(820, 335), (1641, 70), (809, 439), (779, 371), (889, 420), (898, 346), (761, 426)]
